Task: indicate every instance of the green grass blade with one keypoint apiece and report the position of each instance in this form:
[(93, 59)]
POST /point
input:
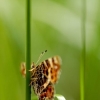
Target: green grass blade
[(82, 66), (28, 53)]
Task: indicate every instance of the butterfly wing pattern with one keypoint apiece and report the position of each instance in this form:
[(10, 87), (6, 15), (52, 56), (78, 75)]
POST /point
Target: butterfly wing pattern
[(44, 77), (47, 93)]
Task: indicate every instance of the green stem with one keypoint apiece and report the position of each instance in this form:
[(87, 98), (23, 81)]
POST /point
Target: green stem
[(28, 52), (83, 62)]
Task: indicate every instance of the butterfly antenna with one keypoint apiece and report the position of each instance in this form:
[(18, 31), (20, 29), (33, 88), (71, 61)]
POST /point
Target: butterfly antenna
[(41, 56)]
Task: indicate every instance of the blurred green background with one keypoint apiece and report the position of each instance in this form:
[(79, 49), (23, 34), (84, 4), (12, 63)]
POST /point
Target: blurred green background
[(55, 26)]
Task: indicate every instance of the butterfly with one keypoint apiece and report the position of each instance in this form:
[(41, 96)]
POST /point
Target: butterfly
[(44, 76)]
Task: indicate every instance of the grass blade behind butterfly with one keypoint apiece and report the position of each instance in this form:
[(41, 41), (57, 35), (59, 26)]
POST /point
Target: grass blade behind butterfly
[(28, 51)]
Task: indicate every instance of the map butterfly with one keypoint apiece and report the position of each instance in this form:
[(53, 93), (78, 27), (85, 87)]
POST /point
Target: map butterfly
[(44, 76)]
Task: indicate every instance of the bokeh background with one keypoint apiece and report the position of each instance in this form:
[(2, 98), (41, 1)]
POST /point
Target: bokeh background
[(55, 26)]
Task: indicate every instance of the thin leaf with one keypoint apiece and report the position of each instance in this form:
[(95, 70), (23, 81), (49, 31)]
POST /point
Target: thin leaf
[(60, 97)]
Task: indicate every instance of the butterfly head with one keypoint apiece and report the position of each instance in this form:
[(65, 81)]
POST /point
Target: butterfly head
[(32, 67)]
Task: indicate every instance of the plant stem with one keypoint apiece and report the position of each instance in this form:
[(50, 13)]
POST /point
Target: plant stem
[(28, 52), (83, 62)]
